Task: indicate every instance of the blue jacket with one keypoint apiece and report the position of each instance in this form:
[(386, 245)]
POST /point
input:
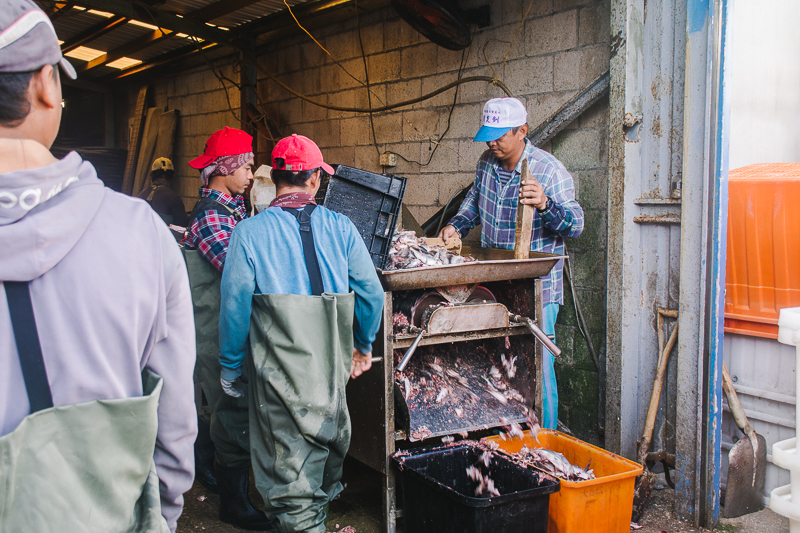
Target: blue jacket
[(266, 257)]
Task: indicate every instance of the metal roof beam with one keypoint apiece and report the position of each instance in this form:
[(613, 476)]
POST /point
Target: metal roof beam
[(161, 19), (220, 8), (132, 47), (92, 33), (163, 59), (283, 18)]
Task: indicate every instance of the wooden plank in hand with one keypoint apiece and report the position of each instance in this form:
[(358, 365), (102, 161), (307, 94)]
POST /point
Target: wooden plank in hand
[(524, 228)]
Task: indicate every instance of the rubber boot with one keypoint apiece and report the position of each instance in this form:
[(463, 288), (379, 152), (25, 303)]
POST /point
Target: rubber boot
[(234, 505), (204, 457)]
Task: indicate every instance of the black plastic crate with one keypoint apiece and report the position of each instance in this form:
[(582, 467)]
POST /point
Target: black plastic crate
[(371, 201), (439, 496)]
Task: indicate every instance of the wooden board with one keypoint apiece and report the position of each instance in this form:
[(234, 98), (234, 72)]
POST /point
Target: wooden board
[(524, 228), (134, 140)]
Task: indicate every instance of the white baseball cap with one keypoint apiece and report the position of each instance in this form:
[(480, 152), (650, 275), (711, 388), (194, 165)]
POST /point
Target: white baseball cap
[(499, 116)]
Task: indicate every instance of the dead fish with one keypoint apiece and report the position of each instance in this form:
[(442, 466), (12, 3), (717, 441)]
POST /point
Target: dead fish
[(474, 474), (498, 396), (463, 434), (447, 439), (555, 464), (459, 412), (495, 374), (442, 394), (452, 373), (509, 365), (486, 458), (512, 394), (408, 388)]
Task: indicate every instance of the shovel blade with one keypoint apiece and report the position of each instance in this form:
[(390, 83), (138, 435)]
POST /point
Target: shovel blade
[(741, 497)]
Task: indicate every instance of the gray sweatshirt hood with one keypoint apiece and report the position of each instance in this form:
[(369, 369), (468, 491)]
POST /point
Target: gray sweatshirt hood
[(44, 212)]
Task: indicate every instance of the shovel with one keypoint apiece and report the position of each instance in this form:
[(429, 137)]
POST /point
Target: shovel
[(747, 461)]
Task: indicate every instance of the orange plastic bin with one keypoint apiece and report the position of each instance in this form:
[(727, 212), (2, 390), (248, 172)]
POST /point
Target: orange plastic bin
[(601, 505)]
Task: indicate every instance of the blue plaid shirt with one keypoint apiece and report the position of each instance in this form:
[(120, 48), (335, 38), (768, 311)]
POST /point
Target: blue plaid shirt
[(492, 203)]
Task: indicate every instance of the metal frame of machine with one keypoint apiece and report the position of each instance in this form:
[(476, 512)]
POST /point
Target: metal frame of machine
[(371, 398)]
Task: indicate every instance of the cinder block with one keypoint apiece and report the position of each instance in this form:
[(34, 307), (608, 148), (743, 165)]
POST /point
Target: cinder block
[(589, 268), (408, 155), (580, 149), (469, 152), (448, 60), (341, 99), (422, 124), (313, 112), (450, 184), (372, 35), (513, 10), (594, 232), (286, 59), (420, 191), (574, 70), (432, 83), (307, 129), (583, 357), (530, 76), (553, 33), (341, 155), (418, 61), (559, 5), (343, 45), (404, 90), (592, 188), (388, 127), (355, 131), (466, 121), (441, 160), (328, 133), (564, 340), (597, 115), (311, 55), (421, 212), (478, 92), (542, 106), (594, 24), (398, 34), (367, 158), (352, 75), (384, 67)]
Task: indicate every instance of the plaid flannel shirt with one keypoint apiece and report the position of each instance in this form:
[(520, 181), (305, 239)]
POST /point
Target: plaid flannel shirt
[(211, 231), (492, 203)]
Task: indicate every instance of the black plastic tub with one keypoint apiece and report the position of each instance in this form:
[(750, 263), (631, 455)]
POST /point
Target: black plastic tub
[(371, 201), (439, 496)]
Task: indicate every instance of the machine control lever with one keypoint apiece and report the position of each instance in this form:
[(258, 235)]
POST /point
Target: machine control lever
[(538, 333), (420, 332)]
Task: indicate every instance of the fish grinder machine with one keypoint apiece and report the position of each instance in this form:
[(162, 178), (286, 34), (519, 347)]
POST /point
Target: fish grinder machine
[(467, 358)]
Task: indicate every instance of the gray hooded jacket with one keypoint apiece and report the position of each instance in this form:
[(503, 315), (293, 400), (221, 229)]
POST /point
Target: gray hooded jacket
[(111, 297)]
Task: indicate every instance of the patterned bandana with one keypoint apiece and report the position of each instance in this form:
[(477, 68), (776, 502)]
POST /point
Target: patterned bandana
[(293, 199), (224, 166)]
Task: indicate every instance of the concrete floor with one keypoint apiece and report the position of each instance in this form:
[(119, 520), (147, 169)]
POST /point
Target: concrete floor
[(360, 508)]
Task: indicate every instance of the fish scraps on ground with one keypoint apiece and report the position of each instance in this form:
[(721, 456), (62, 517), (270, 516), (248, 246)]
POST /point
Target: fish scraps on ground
[(409, 251)]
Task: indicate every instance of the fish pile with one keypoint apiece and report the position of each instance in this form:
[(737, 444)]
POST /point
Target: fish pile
[(556, 464), (409, 251)]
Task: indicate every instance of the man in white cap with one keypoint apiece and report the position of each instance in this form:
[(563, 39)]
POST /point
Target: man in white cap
[(97, 416), (492, 203)]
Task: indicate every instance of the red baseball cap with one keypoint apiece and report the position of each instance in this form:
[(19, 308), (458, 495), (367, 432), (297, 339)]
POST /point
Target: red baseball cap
[(298, 153), (228, 141)]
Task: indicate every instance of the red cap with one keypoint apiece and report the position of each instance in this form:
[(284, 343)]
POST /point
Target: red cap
[(228, 141), (298, 153)]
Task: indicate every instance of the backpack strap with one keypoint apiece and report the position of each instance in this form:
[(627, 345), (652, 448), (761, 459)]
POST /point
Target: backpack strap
[(23, 323), (303, 217)]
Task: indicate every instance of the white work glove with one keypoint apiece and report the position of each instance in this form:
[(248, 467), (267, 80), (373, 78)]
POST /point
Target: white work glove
[(233, 388)]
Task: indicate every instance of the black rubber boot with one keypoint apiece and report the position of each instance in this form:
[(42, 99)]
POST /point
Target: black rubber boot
[(204, 457), (234, 505)]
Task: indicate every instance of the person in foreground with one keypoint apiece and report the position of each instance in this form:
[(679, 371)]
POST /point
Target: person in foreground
[(492, 203), (97, 418), (296, 277)]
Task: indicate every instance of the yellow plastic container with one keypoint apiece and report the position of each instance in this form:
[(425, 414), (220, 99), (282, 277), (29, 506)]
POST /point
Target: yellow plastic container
[(601, 505)]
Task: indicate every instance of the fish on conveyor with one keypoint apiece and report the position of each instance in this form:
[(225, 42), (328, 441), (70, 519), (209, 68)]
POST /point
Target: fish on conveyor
[(554, 463), (409, 251)]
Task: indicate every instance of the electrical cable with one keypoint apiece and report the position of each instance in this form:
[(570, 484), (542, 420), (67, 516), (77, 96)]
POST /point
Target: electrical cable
[(366, 77)]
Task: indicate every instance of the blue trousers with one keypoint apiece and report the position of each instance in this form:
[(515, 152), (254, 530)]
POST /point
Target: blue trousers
[(550, 403)]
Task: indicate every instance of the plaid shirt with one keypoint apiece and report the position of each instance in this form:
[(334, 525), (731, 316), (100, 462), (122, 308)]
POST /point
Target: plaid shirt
[(211, 231), (492, 203)]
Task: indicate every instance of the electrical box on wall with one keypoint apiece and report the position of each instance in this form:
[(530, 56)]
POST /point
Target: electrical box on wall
[(388, 160)]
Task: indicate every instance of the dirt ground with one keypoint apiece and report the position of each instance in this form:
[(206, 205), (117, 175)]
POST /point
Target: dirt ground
[(360, 508)]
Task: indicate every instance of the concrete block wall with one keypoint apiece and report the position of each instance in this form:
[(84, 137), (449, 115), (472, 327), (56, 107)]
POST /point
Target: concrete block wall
[(562, 46)]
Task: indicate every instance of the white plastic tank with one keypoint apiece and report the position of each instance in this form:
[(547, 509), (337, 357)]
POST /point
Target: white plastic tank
[(263, 191), (785, 500)]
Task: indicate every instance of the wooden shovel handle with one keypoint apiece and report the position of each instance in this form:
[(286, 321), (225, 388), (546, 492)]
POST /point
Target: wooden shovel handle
[(524, 228)]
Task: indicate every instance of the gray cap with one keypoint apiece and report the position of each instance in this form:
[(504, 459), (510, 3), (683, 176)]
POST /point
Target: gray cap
[(28, 40)]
